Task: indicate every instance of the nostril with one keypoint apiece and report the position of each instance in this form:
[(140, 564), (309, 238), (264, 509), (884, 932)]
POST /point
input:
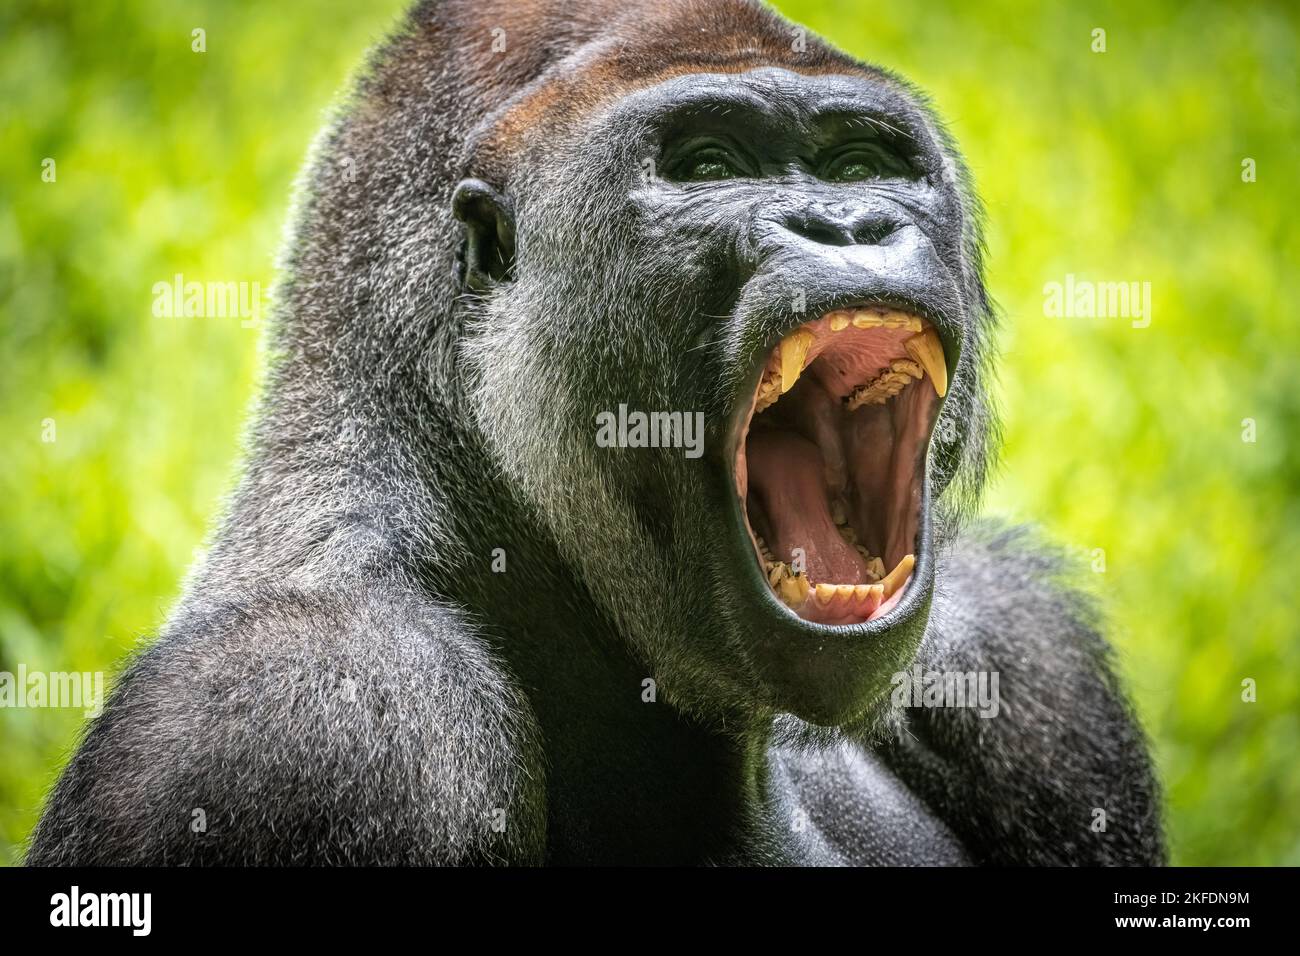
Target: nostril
[(819, 230), (874, 232), (846, 230)]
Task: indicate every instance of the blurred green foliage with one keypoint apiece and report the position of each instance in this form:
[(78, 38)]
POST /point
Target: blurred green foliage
[(1115, 166)]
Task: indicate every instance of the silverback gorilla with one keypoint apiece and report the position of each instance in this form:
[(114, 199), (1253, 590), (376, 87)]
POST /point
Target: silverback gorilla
[(444, 622)]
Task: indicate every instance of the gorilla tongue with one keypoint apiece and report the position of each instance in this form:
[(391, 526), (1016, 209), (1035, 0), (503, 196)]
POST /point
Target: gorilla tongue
[(787, 474)]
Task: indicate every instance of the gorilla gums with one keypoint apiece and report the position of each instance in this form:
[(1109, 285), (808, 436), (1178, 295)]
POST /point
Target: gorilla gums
[(442, 623)]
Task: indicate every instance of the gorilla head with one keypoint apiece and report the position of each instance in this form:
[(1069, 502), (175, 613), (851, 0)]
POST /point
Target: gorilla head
[(670, 207)]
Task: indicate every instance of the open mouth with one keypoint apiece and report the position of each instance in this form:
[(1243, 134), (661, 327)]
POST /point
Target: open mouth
[(830, 462)]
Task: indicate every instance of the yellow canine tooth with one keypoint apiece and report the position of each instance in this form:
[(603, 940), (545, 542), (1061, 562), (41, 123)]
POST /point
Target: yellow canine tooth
[(927, 349), (793, 590), (824, 593), (794, 349), (863, 319), (895, 578), (839, 321)]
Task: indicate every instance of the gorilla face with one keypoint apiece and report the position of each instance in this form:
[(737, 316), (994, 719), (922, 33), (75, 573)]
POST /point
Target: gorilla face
[(783, 253)]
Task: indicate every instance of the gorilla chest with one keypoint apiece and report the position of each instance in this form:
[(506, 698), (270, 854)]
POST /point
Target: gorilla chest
[(844, 806), (839, 806)]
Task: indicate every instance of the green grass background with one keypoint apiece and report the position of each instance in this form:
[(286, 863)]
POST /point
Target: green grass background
[(1115, 166)]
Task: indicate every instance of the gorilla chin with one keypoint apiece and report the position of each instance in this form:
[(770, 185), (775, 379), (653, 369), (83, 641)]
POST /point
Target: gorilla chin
[(831, 512)]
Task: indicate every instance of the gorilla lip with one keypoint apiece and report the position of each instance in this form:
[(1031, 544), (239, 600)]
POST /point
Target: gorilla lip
[(830, 459)]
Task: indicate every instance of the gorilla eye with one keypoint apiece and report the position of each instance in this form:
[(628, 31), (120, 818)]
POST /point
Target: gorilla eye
[(865, 161), (704, 164), (706, 169)]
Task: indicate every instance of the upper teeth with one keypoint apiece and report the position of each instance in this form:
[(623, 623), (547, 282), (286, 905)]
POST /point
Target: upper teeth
[(878, 319), (884, 387), (790, 358)]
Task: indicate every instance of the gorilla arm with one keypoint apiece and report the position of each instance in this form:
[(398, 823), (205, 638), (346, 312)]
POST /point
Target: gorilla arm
[(1026, 786), (295, 728)]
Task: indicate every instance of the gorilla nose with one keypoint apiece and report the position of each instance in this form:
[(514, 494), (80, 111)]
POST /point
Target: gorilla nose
[(840, 225)]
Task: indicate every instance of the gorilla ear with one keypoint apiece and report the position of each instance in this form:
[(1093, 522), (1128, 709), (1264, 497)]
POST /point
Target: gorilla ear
[(489, 254)]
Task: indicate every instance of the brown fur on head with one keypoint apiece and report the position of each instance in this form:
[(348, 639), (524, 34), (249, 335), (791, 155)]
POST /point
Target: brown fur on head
[(530, 67)]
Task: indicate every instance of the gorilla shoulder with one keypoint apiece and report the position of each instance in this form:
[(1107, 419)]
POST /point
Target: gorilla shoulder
[(297, 728), (1061, 773)]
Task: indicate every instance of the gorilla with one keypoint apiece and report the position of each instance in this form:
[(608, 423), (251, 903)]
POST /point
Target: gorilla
[(475, 599)]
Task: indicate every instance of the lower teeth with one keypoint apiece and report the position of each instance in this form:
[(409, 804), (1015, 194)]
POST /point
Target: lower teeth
[(794, 587)]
